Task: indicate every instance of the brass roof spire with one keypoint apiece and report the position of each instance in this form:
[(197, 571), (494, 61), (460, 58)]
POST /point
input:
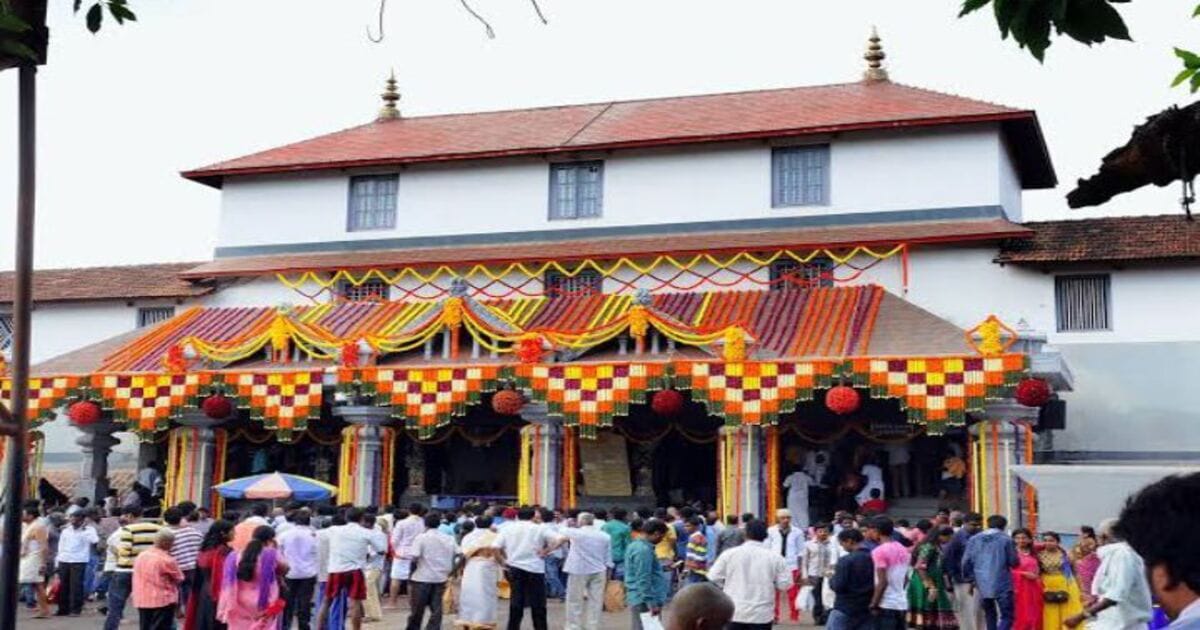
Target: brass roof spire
[(390, 97), (875, 56)]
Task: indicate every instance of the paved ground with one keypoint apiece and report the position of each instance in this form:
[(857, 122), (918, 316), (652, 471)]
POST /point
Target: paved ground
[(392, 619)]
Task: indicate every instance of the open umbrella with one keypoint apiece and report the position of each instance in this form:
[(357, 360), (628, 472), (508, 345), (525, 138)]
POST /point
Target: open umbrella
[(276, 486)]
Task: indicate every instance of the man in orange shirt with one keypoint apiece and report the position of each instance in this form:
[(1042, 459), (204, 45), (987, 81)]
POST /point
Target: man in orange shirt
[(156, 579), (243, 532)]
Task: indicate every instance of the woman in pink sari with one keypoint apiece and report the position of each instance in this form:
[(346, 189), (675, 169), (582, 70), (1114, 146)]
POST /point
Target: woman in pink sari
[(250, 589)]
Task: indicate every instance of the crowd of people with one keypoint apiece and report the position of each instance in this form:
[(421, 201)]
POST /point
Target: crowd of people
[(330, 567)]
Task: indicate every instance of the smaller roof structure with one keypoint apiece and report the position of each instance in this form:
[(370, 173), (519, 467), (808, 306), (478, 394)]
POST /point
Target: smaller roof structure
[(1105, 239), (128, 282)]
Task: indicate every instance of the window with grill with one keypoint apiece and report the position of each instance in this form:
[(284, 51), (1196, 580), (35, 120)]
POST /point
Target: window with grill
[(152, 315), (587, 282), (373, 290), (372, 202), (787, 273), (576, 190), (6, 332), (1082, 302), (800, 176)]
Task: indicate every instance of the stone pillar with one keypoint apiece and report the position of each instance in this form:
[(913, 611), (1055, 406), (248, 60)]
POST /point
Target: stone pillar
[(643, 471), (997, 445), (741, 457), (414, 461), (362, 482), (539, 477), (193, 459), (96, 443)]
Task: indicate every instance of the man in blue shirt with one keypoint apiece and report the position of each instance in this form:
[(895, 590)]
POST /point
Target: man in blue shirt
[(645, 583), (988, 561), (966, 601)]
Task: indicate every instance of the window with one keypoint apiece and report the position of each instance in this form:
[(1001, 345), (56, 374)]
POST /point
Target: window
[(372, 202), (6, 332), (788, 272), (586, 282), (800, 176), (373, 290), (1082, 302), (576, 190), (152, 315)]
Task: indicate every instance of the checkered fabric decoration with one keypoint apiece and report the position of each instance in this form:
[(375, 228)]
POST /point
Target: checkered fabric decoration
[(939, 391), (753, 392), (146, 402), (428, 397), (283, 401), (46, 395), (591, 395)]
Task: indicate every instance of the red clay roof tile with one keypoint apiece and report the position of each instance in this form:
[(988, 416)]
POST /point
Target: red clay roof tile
[(1106, 239), (106, 283)]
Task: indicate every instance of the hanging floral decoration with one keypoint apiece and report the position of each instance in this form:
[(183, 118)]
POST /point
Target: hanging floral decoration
[(175, 362), (667, 403), (84, 413), (590, 395), (1033, 392), (842, 400), (530, 348), (46, 396), (349, 357), (217, 407), (753, 392), (508, 402)]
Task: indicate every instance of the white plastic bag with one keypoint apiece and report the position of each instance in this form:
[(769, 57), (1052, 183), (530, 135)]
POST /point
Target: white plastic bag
[(650, 622), (804, 599), (827, 595)]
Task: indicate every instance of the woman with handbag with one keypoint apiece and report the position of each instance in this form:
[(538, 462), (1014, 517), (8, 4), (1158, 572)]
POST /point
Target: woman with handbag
[(1027, 584), (1061, 598)]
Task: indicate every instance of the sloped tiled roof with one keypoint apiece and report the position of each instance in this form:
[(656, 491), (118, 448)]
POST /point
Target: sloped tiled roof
[(1106, 239), (824, 322), (650, 122), (106, 283)]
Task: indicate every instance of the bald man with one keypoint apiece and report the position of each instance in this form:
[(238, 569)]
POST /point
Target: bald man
[(700, 606)]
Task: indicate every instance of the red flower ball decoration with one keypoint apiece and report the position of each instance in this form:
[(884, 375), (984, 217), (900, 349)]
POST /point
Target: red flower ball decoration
[(508, 402), (84, 413), (1033, 392), (842, 400), (217, 407), (667, 403)]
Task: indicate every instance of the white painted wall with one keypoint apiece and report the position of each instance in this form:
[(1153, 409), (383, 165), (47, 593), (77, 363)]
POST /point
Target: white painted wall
[(870, 172), (59, 328)]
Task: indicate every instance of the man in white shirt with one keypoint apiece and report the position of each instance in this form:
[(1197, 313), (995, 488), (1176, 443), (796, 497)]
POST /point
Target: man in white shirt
[(523, 543), (1122, 594), (298, 545), (587, 565), (751, 574), (75, 544), (349, 547), (406, 529), (433, 555), (816, 565), (786, 540)]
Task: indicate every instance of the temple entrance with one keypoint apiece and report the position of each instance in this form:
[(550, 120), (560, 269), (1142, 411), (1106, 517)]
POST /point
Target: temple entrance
[(475, 457), (312, 453), (685, 468)]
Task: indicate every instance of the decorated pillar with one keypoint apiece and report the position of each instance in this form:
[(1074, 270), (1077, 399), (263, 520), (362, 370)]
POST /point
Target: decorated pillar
[(365, 468), (741, 456), (1002, 440), (643, 472), (96, 443), (414, 461), (196, 453), (539, 474)]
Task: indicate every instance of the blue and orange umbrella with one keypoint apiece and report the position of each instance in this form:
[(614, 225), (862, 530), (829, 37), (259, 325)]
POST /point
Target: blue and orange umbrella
[(276, 486)]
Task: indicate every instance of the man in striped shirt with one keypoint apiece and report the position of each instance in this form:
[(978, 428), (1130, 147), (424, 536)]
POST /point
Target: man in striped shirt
[(185, 548), (696, 560), (132, 539)]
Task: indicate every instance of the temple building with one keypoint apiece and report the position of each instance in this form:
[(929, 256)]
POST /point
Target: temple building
[(642, 303)]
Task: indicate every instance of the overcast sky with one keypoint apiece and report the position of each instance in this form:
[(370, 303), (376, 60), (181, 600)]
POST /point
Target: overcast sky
[(193, 82)]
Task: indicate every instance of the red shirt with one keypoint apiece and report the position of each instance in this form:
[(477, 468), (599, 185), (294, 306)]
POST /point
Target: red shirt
[(156, 578), (878, 506)]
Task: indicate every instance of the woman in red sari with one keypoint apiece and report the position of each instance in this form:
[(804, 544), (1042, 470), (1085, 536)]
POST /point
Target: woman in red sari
[(1027, 584), (206, 583)]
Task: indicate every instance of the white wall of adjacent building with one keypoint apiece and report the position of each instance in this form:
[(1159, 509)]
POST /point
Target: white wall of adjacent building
[(869, 172)]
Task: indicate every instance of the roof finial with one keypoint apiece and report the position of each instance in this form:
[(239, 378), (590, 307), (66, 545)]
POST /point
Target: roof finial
[(390, 96), (875, 56)]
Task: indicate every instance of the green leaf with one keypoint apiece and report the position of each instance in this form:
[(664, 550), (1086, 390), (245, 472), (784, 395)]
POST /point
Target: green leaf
[(1006, 11), (17, 49), (1190, 59), (1196, 11), (970, 6), (1183, 75), (120, 12), (10, 23), (95, 17), (78, 4), (1195, 82)]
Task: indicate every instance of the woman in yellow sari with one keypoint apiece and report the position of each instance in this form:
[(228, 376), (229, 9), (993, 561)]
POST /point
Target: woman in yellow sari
[(1059, 587)]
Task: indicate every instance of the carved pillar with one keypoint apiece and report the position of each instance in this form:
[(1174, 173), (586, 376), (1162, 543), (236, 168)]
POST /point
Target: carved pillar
[(643, 486), (414, 460), (363, 478), (96, 443), (540, 473), (195, 459), (741, 456), (998, 443)]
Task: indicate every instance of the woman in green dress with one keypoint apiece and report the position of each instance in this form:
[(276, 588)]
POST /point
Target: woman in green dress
[(929, 604)]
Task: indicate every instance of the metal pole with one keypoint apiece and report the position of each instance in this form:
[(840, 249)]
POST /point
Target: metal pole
[(22, 302)]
